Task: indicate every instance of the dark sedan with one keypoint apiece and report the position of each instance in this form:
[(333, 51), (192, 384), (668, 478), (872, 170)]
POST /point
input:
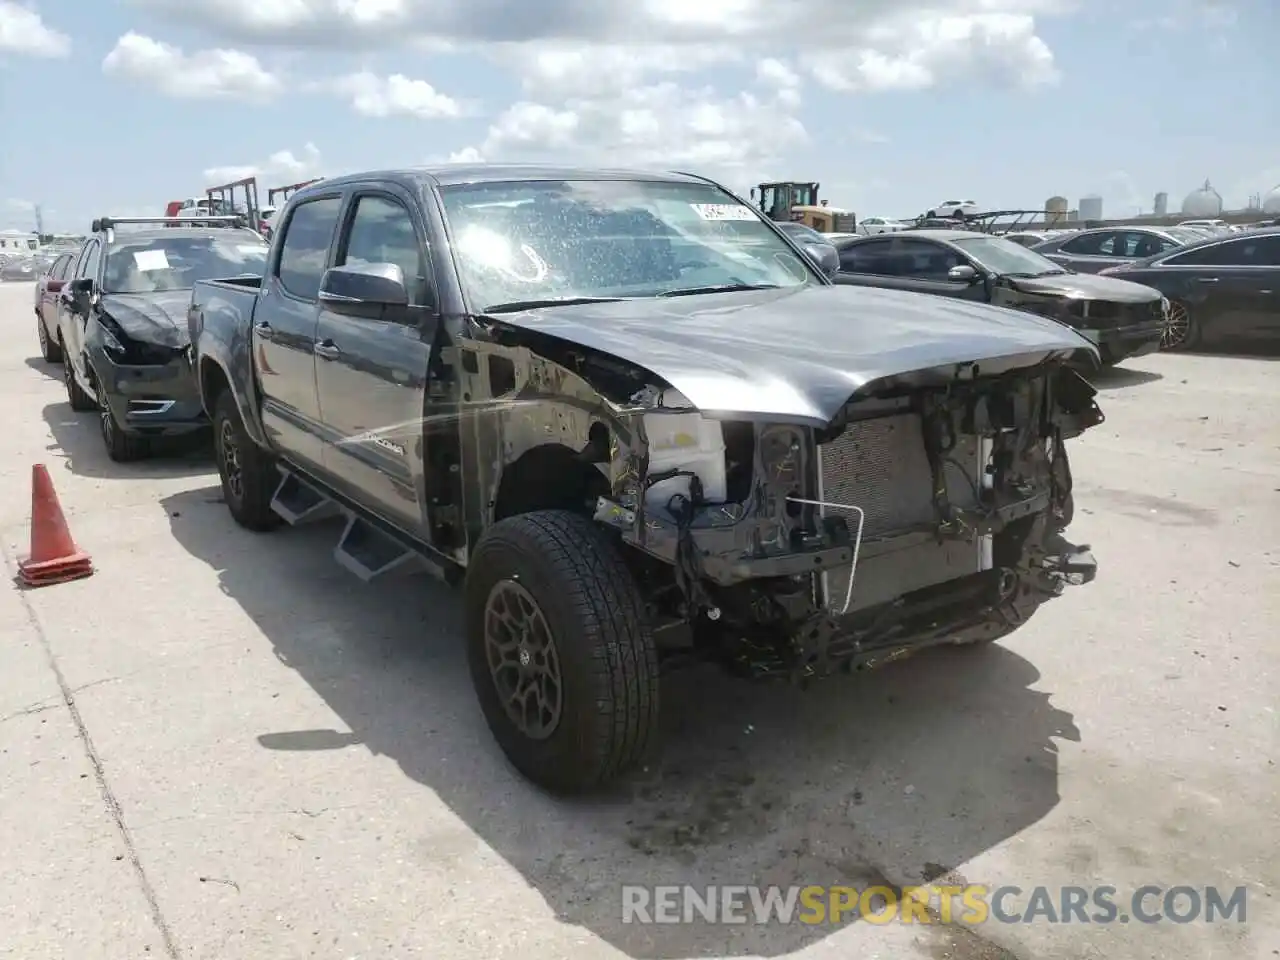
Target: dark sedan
[(1123, 319), (1224, 291), (1091, 251)]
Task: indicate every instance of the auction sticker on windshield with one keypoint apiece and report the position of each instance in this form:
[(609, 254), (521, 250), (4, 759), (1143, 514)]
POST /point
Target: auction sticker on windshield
[(147, 260), (723, 211)]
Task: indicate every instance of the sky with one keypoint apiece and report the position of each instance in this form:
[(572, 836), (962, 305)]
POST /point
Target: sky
[(894, 106)]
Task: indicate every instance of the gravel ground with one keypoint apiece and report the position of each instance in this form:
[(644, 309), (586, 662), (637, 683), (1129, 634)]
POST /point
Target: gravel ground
[(223, 746)]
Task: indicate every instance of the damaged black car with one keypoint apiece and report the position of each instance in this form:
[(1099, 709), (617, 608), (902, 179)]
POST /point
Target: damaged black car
[(640, 427), (1122, 319), (122, 323)]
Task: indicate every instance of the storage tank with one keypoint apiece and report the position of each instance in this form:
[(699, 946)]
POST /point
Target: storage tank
[(1162, 204), (1271, 202), (1091, 207), (1056, 205), (1205, 203)]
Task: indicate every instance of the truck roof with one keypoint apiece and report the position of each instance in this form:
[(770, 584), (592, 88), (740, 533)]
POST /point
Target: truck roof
[(453, 174)]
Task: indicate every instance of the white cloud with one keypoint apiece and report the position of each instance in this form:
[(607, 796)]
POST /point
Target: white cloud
[(396, 96), (281, 168), (591, 91), (22, 31), (781, 78), (202, 75), (465, 155), (921, 54), (658, 125)]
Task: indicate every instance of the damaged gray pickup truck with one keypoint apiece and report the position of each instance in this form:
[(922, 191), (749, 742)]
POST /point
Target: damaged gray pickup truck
[(640, 426)]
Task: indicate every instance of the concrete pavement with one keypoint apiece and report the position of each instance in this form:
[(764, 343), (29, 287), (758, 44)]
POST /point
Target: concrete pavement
[(223, 746)]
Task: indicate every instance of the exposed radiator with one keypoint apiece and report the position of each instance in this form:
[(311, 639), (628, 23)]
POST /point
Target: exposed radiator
[(880, 465)]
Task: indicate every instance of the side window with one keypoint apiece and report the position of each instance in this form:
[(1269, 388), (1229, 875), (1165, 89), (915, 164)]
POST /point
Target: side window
[(1167, 244), (1139, 245), (305, 250), (88, 266), (1090, 244), (923, 260), (59, 267), (864, 257), (1214, 255), (382, 231), (1266, 251)]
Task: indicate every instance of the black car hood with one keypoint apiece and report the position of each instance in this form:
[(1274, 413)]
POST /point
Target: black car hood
[(1085, 286), (155, 318), (799, 354)]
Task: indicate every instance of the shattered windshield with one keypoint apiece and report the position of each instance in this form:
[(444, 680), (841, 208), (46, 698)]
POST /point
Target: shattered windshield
[(1007, 259), (523, 242), (150, 265)]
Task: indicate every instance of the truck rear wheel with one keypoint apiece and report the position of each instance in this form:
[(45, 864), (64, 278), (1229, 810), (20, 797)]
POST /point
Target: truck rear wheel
[(561, 651), (248, 473)]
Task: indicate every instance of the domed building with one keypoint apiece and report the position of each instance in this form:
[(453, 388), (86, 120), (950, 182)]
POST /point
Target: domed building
[(1271, 203), (1204, 203)]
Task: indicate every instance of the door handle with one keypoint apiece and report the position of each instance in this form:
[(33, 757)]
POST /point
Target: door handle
[(327, 350), (264, 330), (1206, 279)]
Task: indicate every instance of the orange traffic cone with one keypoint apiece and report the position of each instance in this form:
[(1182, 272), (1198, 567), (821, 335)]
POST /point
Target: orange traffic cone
[(54, 558)]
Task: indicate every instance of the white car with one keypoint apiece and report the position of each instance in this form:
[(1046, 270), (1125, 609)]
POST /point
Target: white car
[(949, 208), (870, 226), (1217, 226)]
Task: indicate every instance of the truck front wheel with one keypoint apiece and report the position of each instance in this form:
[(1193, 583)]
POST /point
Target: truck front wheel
[(248, 473), (561, 651)]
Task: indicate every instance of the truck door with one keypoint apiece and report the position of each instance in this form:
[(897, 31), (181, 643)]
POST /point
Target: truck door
[(284, 330), (371, 362)]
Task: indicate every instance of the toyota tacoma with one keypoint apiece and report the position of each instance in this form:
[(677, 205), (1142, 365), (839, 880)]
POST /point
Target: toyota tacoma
[(639, 426)]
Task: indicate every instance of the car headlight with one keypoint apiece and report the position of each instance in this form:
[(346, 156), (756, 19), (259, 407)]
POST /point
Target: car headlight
[(110, 342)]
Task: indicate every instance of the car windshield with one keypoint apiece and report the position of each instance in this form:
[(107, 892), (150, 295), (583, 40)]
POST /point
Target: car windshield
[(529, 242), (1005, 258), (151, 265)]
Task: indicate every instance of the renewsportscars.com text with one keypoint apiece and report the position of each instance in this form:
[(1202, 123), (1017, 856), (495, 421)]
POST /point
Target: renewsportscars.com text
[(970, 905)]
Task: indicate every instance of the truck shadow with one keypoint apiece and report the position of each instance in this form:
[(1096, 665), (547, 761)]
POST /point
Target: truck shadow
[(1112, 378), (898, 776), (77, 441), (43, 367)]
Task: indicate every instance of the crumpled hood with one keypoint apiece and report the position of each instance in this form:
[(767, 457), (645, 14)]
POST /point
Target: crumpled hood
[(155, 318), (1086, 286), (799, 354)]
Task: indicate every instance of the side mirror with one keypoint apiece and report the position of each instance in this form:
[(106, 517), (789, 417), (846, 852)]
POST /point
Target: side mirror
[(827, 258), (364, 285), (962, 274), (82, 286)]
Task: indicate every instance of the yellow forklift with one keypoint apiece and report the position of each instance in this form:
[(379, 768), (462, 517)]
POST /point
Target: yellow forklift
[(798, 203)]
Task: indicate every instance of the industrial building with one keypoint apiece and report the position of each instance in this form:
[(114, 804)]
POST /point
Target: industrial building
[(1091, 207), (1205, 203)]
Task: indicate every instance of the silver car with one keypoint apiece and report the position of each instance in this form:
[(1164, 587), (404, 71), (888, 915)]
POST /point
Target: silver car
[(1089, 251)]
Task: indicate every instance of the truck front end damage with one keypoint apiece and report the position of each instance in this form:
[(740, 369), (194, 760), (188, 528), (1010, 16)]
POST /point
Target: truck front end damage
[(924, 513)]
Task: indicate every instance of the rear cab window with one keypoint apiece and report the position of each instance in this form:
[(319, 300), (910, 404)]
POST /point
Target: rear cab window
[(304, 249)]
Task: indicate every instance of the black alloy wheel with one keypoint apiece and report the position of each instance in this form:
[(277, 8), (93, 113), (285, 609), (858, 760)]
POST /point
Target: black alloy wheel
[(122, 446), (523, 660), (229, 460)]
